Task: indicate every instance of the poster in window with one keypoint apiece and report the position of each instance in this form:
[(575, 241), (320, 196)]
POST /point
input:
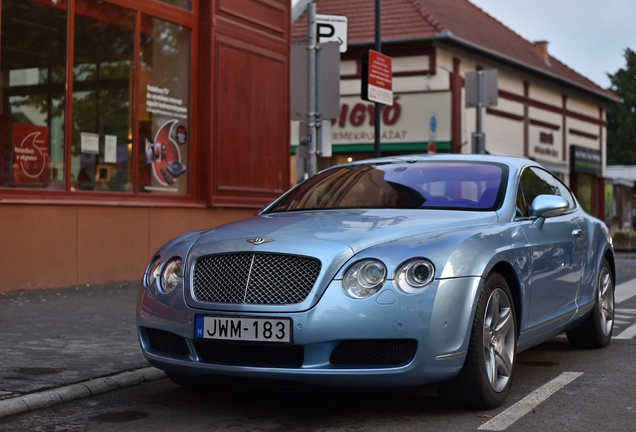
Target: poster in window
[(31, 160), (164, 156)]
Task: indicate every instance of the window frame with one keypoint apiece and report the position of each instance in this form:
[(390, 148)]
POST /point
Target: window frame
[(155, 9)]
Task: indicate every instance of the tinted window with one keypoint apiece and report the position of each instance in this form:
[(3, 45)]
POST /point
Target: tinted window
[(565, 193), (452, 185), (535, 182)]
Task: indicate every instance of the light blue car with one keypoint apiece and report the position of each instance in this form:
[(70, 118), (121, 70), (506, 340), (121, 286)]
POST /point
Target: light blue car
[(397, 271)]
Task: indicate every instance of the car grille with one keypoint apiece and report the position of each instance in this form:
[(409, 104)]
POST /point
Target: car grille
[(254, 278), (167, 342), (251, 355), (386, 352)]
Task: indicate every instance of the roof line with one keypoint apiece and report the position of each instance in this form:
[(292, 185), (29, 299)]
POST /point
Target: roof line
[(447, 35), (427, 15)]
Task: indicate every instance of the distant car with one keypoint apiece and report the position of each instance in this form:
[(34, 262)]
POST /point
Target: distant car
[(397, 271)]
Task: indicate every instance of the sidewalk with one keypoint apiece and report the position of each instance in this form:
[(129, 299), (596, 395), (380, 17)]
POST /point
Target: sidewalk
[(58, 337)]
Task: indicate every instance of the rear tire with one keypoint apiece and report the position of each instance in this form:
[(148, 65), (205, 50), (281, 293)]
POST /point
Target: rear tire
[(596, 330), (486, 377)]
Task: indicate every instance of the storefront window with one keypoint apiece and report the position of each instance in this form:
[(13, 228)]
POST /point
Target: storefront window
[(120, 123), (33, 56), (102, 88), (164, 108), (586, 193), (183, 4)]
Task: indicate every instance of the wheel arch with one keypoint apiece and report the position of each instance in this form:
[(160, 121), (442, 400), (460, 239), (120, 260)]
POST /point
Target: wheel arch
[(609, 256), (506, 270)]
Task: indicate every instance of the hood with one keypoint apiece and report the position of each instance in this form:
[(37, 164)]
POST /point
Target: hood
[(331, 236), (308, 232)]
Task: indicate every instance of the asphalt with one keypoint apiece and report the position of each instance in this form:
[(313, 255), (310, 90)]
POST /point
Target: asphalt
[(62, 344)]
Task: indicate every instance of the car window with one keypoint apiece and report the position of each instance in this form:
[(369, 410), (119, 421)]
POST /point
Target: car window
[(566, 193), (536, 181), (522, 208), (448, 185)]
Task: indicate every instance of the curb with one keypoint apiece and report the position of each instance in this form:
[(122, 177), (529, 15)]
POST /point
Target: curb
[(84, 389)]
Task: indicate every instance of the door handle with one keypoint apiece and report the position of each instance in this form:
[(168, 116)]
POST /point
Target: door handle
[(577, 232)]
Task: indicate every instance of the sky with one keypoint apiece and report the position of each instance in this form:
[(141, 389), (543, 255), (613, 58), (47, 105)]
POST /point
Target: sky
[(589, 36)]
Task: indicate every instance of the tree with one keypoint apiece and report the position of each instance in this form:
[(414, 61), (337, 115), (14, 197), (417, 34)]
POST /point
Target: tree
[(621, 117)]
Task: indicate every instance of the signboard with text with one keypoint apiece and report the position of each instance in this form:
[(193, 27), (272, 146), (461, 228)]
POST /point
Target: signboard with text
[(377, 78), (31, 160), (332, 28), (585, 160)]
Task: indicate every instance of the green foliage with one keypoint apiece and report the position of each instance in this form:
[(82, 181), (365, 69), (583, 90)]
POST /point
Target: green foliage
[(621, 117), (624, 240)]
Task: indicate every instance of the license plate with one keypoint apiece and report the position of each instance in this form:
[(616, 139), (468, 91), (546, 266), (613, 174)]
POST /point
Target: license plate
[(243, 329)]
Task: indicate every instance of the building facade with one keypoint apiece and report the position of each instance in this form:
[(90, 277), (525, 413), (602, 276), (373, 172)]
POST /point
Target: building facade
[(125, 123), (545, 110)]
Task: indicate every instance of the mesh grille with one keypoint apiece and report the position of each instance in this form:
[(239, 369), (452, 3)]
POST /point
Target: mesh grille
[(254, 278), (165, 341), (374, 352), (251, 355)]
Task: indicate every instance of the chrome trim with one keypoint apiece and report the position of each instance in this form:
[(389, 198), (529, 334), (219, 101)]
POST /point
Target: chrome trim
[(259, 240), (452, 356)]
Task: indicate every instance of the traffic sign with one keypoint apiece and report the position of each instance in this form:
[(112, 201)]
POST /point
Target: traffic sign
[(377, 78), (332, 28)]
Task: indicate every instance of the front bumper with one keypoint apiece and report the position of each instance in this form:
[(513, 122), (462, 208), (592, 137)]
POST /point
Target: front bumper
[(439, 320)]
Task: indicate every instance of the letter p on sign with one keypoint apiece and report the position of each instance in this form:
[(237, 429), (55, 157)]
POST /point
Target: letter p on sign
[(332, 28)]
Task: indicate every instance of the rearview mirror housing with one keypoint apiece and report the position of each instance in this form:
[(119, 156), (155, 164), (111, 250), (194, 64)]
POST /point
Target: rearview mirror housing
[(546, 206)]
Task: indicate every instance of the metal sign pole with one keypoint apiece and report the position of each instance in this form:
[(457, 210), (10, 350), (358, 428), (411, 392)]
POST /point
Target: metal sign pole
[(312, 47), (378, 48), (480, 99), (478, 137)]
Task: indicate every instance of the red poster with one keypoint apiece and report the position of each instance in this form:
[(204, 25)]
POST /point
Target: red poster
[(31, 160)]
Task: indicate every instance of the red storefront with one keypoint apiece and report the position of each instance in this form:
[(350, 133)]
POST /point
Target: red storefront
[(127, 122)]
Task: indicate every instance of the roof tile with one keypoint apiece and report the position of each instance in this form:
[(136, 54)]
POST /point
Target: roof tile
[(406, 19)]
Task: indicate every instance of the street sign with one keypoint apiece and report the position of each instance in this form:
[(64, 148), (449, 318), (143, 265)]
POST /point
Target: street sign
[(377, 78), (328, 75), (489, 88), (332, 28)]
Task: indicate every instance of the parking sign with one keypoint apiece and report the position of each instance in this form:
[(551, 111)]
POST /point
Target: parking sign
[(332, 28)]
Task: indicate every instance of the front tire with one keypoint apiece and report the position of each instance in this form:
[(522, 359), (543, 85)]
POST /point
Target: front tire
[(596, 330), (486, 377)]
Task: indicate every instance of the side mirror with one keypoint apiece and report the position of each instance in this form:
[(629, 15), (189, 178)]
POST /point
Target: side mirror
[(545, 206)]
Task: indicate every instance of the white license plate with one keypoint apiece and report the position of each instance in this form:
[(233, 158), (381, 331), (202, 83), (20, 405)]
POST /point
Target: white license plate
[(243, 329)]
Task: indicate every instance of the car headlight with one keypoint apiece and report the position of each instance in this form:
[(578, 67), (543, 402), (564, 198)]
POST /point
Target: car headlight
[(153, 272), (414, 275), (171, 275), (364, 278)]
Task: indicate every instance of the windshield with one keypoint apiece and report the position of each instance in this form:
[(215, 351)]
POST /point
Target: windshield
[(448, 185)]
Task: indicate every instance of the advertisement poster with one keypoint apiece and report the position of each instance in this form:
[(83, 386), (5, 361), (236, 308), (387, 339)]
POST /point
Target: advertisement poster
[(164, 156), (31, 160)]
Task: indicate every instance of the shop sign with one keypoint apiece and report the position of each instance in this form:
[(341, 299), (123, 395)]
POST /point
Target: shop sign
[(585, 160), (413, 118), (542, 144), (31, 160)]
